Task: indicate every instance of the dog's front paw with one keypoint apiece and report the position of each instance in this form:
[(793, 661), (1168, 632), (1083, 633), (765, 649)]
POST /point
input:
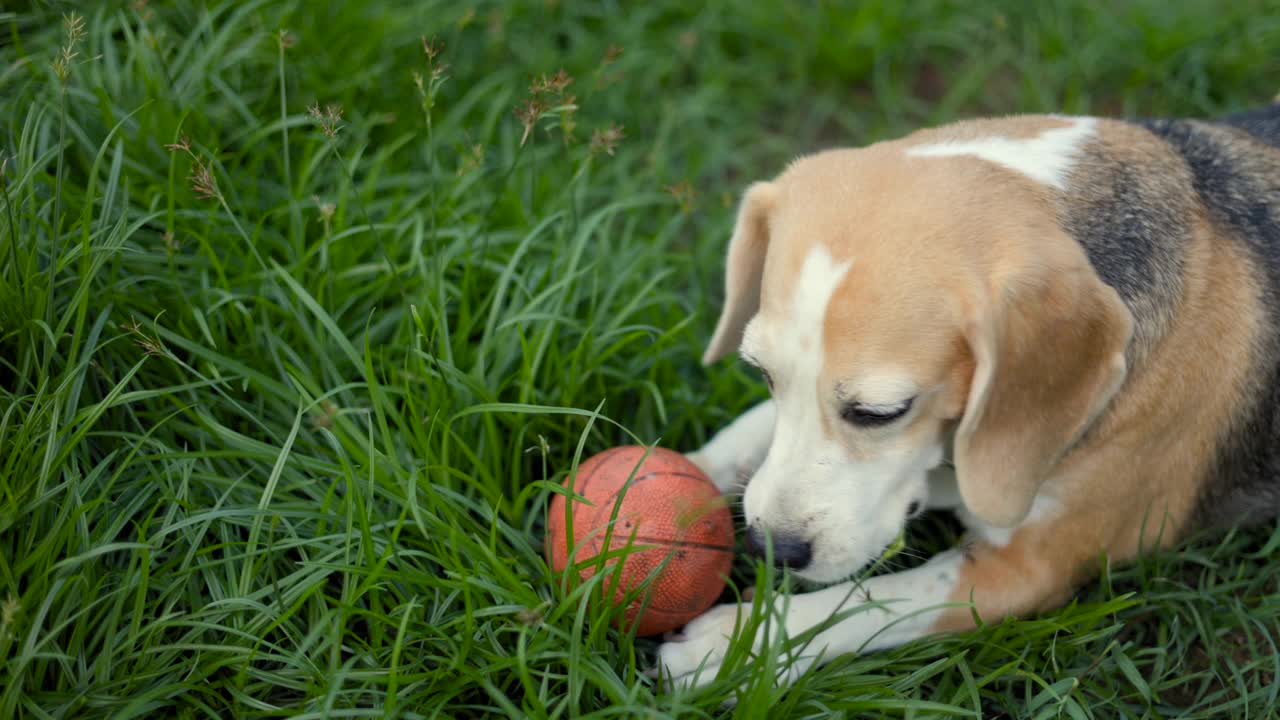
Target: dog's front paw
[(695, 657)]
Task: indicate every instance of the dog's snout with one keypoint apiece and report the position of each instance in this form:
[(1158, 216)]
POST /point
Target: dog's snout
[(788, 551)]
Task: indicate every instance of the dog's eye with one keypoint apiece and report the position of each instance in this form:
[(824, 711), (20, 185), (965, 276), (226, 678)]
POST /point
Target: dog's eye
[(867, 415)]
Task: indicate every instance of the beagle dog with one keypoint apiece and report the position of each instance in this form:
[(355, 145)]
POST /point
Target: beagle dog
[(1065, 329)]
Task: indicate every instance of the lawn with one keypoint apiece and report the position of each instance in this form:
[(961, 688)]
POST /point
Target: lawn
[(306, 306)]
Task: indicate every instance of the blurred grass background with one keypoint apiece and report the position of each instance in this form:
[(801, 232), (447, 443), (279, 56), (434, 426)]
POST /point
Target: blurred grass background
[(282, 402)]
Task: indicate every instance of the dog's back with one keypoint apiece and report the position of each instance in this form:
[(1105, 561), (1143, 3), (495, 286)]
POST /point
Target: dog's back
[(1234, 165), (1263, 123)]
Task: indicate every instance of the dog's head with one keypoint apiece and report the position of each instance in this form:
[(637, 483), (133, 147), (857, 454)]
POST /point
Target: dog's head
[(899, 298)]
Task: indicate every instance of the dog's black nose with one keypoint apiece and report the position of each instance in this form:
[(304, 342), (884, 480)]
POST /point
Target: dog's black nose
[(788, 551)]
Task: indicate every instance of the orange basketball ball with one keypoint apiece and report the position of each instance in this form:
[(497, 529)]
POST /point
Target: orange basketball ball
[(670, 512)]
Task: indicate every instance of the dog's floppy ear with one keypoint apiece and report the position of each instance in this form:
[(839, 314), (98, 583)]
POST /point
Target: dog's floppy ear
[(743, 269), (1049, 353)]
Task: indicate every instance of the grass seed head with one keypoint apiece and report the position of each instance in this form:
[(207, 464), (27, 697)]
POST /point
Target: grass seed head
[(152, 346), (431, 48), (554, 85), (183, 144), (606, 140), (203, 183), (73, 26), (528, 114), (329, 118)]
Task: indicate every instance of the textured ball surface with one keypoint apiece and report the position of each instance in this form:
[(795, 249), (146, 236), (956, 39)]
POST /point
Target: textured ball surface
[(670, 510)]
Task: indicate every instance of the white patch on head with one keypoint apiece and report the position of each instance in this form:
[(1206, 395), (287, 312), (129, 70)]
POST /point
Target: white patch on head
[(819, 277), (1046, 158), (792, 346), (808, 486)]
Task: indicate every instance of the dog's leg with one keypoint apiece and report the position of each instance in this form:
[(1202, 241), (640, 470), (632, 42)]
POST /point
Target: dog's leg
[(737, 449), (899, 611), (881, 612)]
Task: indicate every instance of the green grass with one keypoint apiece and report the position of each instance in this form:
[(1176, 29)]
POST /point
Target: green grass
[(284, 450)]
